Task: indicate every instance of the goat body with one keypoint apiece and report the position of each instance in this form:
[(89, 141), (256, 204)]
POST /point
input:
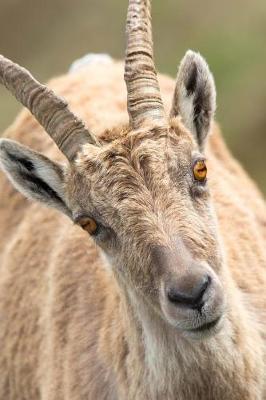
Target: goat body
[(69, 331)]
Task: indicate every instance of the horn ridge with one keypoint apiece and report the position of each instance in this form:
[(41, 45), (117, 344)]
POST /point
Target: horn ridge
[(50, 110), (143, 92)]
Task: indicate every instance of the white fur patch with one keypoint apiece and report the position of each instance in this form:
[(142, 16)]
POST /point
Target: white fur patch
[(90, 58)]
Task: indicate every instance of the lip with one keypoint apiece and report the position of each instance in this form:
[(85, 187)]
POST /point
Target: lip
[(205, 327)]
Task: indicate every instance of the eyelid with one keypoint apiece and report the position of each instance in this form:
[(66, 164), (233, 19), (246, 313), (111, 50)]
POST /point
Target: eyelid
[(198, 157), (77, 218)]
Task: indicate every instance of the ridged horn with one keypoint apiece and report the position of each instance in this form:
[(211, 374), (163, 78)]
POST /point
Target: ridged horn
[(51, 111), (143, 92)]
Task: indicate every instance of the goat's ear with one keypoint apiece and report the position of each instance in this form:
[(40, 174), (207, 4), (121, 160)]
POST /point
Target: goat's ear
[(33, 174), (195, 96)]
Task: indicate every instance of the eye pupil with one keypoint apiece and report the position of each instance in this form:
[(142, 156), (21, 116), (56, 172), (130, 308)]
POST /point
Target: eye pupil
[(89, 225), (200, 170)]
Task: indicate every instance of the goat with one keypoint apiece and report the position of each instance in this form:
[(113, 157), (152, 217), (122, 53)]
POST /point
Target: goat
[(170, 302)]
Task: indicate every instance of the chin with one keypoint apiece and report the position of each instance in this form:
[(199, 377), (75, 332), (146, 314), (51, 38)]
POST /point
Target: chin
[(200, 330)]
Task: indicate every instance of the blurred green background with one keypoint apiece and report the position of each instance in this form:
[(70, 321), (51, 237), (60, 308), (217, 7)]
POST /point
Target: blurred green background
[(46, 36)]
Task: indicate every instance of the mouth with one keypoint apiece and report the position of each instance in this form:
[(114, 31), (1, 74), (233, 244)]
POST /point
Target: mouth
[(205, 329)]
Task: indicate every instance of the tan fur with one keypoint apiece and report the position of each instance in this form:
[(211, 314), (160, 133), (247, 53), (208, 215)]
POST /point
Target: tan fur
[(70, 328)]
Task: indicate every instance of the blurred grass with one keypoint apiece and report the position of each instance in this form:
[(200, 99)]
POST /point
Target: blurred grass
[(47, 36)]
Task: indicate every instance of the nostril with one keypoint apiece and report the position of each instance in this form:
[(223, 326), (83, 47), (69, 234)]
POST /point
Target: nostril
[(203, 287), (192, 297)]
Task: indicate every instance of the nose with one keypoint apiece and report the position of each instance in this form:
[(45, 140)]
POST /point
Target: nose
[(190, 293)]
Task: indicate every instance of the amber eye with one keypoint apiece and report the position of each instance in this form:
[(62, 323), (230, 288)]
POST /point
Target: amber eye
[(89, 225), (200, 170)]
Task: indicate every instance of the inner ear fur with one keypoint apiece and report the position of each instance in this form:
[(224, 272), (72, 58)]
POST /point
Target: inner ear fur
[(34, 175)]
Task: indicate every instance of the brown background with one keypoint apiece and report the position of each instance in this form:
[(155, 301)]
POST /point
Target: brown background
[(46, 36)]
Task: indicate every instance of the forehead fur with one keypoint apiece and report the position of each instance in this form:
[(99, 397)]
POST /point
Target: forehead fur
[(133, 172), (137, 149)]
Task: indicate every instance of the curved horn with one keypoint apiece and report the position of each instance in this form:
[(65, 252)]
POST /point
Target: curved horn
[(51, 111), (144, 98)]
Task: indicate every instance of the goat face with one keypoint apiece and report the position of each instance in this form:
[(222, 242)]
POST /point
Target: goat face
[(153, 218)]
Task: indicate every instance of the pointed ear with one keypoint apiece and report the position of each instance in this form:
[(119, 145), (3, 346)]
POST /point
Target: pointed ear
[(195, 96), (33, 174)]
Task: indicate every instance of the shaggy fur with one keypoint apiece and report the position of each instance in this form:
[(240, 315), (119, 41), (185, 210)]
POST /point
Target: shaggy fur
[(78, 325)]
